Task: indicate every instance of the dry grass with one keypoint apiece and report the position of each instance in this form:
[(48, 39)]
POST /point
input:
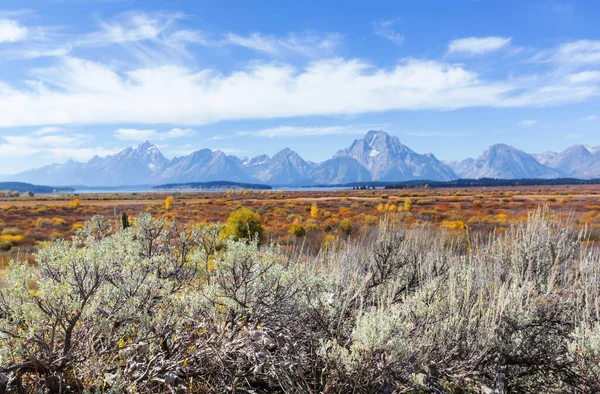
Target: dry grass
[(481, 209), (391, 308)]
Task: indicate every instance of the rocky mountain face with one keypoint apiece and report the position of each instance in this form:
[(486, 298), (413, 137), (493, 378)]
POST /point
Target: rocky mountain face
[(577, 161), (338, 170), (504, 162), (203, 166), (376, 157), (389, 160), (285, 168), (132, 166)]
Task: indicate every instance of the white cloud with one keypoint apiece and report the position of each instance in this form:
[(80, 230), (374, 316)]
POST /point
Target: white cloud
[(309, 45), (132, 27), (434, 134), (299, 131), (80, 154), (384, 28), (229, 151), (48, 143), (47, 130), (527, 122), (28, 144), (591, 117), (578, 53), (149, 37), (143, 135), (78, 91), (134, 134), (11, 31), (478, 45), (584, 77), (159, 38)]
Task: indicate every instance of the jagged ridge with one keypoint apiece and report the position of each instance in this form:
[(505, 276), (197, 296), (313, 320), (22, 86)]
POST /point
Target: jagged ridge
[(377, 156)]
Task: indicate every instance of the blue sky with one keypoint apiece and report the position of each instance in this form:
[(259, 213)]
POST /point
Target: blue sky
[(86, 77)]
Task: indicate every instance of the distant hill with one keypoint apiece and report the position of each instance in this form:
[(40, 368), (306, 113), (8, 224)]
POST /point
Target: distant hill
[(23, 187), (212, 185)]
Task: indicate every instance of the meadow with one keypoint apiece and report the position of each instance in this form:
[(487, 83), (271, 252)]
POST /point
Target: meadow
[(409, 290), (159, 306), (27, 223)]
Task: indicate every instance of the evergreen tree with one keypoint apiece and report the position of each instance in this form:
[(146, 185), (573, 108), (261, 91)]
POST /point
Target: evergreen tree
[(124, 220)]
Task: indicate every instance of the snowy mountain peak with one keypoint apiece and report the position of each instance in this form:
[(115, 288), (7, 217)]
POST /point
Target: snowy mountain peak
[(258, 160), (373, 136), (387, 159), (374, 152), (284, 153), (592, 149), (579, 161), (377, 156), (147, 145), (503, 161)]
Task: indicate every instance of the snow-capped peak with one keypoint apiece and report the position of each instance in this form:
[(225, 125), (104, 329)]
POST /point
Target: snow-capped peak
[(374, 152)]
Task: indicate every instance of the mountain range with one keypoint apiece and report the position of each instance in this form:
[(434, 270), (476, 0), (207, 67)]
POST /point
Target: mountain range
[(377, 156)]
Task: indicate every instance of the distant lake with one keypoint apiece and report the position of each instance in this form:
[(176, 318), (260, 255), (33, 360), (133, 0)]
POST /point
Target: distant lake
[(149, 190)]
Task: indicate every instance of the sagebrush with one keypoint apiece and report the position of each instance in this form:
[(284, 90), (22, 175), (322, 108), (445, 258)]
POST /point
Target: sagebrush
[(160, 307)]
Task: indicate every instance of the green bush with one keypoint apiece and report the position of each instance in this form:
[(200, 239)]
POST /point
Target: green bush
[(297, 230), (243, 224), (346, 226)]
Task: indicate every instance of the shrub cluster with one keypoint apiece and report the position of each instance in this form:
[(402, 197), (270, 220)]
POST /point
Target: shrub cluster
[(159, 307)]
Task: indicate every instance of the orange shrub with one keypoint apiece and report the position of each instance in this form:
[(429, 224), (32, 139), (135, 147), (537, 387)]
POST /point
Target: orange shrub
[(314, 211), (454, 224), (169, 202), (75, 203)]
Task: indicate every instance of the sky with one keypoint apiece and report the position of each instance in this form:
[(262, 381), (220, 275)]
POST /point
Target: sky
[(80, 78)]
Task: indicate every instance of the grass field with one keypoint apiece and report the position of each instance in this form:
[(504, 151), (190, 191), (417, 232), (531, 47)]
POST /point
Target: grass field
[(413, 290), (27, 223)]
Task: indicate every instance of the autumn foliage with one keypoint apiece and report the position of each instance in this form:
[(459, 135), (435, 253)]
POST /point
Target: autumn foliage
[(75, 203), (169, 202), (243, 224), (314, 211)]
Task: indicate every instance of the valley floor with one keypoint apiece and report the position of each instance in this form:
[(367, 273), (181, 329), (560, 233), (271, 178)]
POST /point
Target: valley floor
[(26, 223)]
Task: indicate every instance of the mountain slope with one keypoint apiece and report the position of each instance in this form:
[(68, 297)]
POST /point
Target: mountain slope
[(284, 168), (69, 173), (131, 166), (578, 161), (202, 166), (376, 157), (502, 161), (461, 167), (337, 171), (389, 160)]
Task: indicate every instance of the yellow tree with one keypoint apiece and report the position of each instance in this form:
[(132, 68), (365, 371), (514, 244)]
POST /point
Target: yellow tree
[(346, 227), (169, 202), (407, 205), (243, 224), (314, 211), (75, 203)]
